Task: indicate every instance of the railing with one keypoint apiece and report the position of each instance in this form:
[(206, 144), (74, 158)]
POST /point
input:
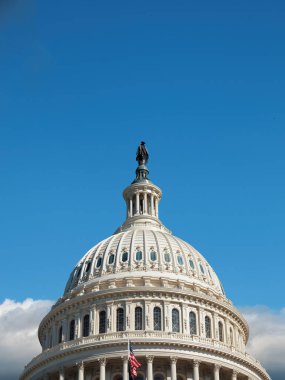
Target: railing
[(147, 336)]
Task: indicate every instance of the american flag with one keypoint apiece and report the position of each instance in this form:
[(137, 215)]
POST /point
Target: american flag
[(133, 363)]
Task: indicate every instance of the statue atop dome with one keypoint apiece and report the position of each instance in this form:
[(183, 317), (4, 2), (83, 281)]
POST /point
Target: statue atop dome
[(142, 154), (142, 159)]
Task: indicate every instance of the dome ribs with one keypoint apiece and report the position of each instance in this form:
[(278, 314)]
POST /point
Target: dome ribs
[(132, 253), (107, 251)]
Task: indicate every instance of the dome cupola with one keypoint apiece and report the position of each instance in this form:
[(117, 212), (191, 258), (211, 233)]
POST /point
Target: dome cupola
[(142, 197)]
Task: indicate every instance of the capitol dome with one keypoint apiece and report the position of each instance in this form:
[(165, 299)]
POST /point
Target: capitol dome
[(145, 285)]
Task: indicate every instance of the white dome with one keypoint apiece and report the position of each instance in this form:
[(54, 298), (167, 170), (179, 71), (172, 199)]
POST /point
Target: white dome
[(140, 251)]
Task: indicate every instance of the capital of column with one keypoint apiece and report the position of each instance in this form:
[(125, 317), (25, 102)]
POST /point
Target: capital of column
[(217, 366), (173, 360), (125, 357), (196, 363), (80, 365), (102, 361), (234, 374), (149, 359)]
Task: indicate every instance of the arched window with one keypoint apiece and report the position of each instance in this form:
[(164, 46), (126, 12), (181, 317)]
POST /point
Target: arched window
[(120, 319), (125, 256), (192, 323), (201, 268), (102, 322), (72, 330), (175, 321), (118, 377), (60, 335), (111, 259), (86, 324), (157, 318), (139, 255), (221, 333), (208, 327), (158, 377), (138, 318), (153, 256)]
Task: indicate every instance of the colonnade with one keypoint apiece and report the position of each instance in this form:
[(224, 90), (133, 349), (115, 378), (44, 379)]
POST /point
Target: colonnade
[(142, 203), (193, 373)]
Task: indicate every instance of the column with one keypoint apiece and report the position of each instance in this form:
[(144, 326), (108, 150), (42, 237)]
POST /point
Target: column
[(61, 373), (145, 203), (93, 320), (149, 367), (64, 330), (54, 334), (234, 375), (151, 205), (196, 370), (184, 319), (216, 372), (216, 327), (137, 203), (78, 326), (125, 368), (80, 371), (102, 368), (173, 368), (156, 207), (131, 207)]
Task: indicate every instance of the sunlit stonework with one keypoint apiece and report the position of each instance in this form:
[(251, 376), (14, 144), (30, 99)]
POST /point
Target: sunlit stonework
[(145, 285)]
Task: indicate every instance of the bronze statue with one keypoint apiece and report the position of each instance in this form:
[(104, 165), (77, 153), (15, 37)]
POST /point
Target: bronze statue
[(142, 154)]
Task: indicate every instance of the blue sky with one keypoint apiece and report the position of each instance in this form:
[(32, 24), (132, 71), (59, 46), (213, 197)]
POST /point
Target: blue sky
[(201, 82)]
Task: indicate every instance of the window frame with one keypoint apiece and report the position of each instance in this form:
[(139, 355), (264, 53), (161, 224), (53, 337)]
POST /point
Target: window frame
[(175, 320), (120, 319), (138, 318)]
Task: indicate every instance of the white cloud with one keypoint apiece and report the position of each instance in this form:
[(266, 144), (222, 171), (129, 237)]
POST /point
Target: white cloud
[(267, 338), (18, 334)]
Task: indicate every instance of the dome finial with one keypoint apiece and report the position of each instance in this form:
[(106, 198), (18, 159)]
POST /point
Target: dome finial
[(142, 159)]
